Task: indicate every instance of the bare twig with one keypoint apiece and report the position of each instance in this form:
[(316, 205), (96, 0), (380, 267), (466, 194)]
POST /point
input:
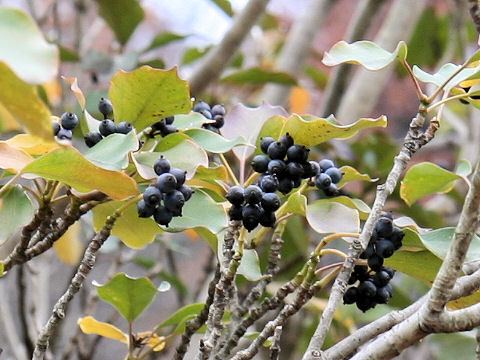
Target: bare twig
[(218, 57), (275, 347)]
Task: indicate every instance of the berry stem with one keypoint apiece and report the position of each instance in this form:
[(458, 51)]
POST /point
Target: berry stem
[(329, 238), (330, 266), (229, 169), (327, 278), (333, 251)]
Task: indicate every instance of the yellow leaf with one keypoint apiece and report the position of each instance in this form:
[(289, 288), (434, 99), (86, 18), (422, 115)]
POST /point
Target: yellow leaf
[(7, 121), (154, 341), (89, 325), (68, 247), (54, 92), (299, 100), (32, 144), (13, 159)]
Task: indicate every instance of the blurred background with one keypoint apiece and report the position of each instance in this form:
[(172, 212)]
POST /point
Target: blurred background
[(278, 61)]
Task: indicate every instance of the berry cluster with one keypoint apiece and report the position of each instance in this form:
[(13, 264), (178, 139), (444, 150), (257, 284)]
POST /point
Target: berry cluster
[(215, 113), (374, 287), (107, 126), (63, 129), (253, 206), (165, 199), (163, 127), (328, 177), (283, 164)]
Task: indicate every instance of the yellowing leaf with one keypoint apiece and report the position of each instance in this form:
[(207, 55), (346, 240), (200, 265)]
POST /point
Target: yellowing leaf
[(7, 121), (69, 248), (53, 91), (76, 90), (32, 144), (299, 100), (154, 341), (12, 158), (22, 102), (89, 325), (70, 167)]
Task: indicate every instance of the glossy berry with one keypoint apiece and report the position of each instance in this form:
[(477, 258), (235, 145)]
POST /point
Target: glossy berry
[(124, 127), (144, 210), (270, 201), (69, 120), (397, 237), (389, 271), (251, 216), (365, 303), (235, 195), (277, 150), (56, 127), (285, 185), (268, 219), (201, 105), (335, 174), (219, 121), (325, 164), (166, 183), (295, 170), (161, 165), (235, 212), (350, 296), (297, 153), (159, 125), (384, 227), (367, 288), (286, 140), (260, 163), (276, 166), (105, 107), (381, 278), (174, 202), (207, 114), (64, 134), (383, 295), (384, 248), (162, 215), (169, 129), (218, 109), (169, 120), (107, 127), (353, 278), (253, 194), (370, 250), (323, 181), (180, 176), (269, 183), (297, 181), (152, 196), (92, 138), (375, 262), (211, 128), (265, 143), (331, 190), (186, 191), (311, 169)]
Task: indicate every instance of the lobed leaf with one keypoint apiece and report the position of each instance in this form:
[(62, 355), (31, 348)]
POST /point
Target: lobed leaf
[(444, 73), (365, 53), (128, 295)]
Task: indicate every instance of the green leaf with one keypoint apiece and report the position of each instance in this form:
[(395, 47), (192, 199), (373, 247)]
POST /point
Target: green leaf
[(22, 102), (422, 265), (24, 49), (194, 214), (424, 179), (1, 269), (70, 167), (111, 153), (314, 131), (296, 204), (365, 53), (128, 295), (146, 95), (212, 142), (225, 5), (258, 76), (67, 55), (193, 54), (192, 120), (250, 266), (438, 242), (357, 204), (164, 39), (126, 227), (352, 174), (327, 216), (444, 73), (412, 241), (464, 168), (122, 16), (178, 316), (248, 122), (182, 152), (16, 210)]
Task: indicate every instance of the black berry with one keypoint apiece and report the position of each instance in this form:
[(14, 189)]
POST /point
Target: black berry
[(276, 150), (166, 183), (260, 163), (253, 194), (124, 127), (107, 127), (161, 165), (105, 107), (235, 195), (144, 210), (69, 120), (265, 143), (152, 196), (162, 215), (64, 134), (92, 138)]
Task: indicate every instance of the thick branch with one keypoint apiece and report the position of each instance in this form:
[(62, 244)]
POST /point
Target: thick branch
[(218, 57), (297, 47), (83, 270)]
